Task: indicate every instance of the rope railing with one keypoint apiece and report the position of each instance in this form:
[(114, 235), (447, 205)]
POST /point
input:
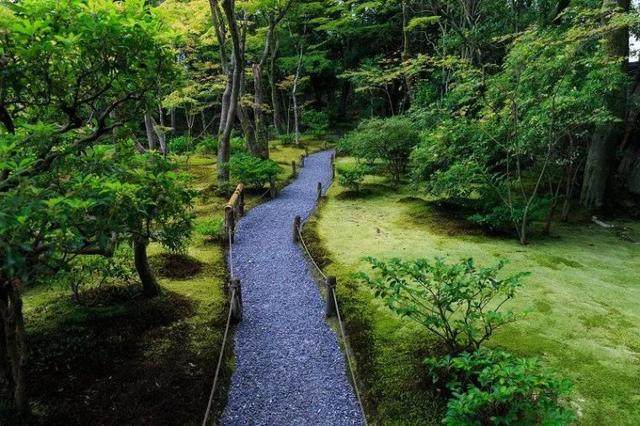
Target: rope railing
[(332, 307), (235, 208)]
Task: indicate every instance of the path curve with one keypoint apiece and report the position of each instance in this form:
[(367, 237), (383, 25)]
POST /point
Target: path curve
[(290, 370)]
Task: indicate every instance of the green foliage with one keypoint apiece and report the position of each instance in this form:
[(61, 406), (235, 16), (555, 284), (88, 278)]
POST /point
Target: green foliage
[(351, 177), (316, 121), (211, 229), (238, 145), (253, 171), (207, 145), (389, 140), (181, 144), (495, 387), (459, 303)]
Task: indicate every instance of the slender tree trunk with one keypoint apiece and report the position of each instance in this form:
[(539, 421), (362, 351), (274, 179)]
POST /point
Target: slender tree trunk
[(294, 98), (16, 345), (238, 64), (601, 154), (244, 116), (262, 143), (278, 120), (151, 137), (173, 121), (149, 284)]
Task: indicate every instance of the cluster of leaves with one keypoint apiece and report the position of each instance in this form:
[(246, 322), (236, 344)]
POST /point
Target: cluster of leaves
[(389, 140), (212, 229), (253, 171), (316, 121), (460, 302), (514, 139), (461, 305), (352, 177), (496, 387)]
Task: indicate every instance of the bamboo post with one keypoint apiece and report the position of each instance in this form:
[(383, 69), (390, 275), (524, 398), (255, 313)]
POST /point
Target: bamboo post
[(236, 301), (293, 167), (333, 166), (301, 160), (273, 191), (319, 191), (296, 228), (229, 222), (241, 204), (330, 310)]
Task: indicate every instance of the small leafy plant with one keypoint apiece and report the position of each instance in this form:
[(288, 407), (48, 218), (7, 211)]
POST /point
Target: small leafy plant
[(181, 144), (211, 229), (496, 387), (459, 303), (253, 171), (351, 177)]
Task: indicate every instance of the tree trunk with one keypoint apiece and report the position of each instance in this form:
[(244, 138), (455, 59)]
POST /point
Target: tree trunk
[(244, 116), (262, 143), (601, 154), (16, 345), (149, 284), (278, 120), (238, 65), (173, 121), (294, 99), (151, 136)]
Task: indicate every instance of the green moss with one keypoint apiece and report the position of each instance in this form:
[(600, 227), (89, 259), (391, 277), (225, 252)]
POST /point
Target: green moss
[(129, 359), (582, 297)]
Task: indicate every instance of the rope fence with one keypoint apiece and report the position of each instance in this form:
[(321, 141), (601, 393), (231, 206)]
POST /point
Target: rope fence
[(332, 308), (235, 209)]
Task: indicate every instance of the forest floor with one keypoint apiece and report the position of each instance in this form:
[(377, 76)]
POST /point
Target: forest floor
[(119, 358), (581, 300)]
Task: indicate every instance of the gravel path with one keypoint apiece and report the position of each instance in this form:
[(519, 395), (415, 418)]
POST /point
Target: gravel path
[(290, 370)]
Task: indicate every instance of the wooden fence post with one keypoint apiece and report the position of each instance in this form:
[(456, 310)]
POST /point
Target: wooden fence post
[(236, 301), (293, 167), (229, 223), (301, 160), (319, 191), (296, 228), (330, 310), (241, 204), (273, 191), (333, 166)]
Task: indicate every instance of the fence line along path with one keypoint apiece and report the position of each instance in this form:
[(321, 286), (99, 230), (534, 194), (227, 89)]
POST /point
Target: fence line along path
[(290, 369)]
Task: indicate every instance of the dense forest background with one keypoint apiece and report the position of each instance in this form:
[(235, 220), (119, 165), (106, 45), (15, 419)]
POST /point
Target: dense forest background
[(515, 115)]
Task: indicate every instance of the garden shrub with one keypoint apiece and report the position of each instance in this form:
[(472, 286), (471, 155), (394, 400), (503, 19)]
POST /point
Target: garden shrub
[(207, 145), (496, 387), (253, 171), (459, 303), (238, 145), (181, 144), (390, 140), (316, 121), (351, 177)]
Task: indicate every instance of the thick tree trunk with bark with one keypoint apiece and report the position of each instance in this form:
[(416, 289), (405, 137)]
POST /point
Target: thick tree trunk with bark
[(601, 154), (16, 345), (149, 284), (172, 116)]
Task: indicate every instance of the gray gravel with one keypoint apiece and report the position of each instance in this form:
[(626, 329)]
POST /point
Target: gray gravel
[(290, 370)]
